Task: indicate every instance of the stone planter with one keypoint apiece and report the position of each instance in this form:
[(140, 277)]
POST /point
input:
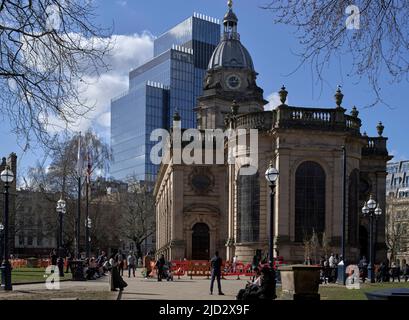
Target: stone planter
[(300, 282)]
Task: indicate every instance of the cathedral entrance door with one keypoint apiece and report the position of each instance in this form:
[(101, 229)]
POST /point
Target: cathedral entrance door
[(201, 242)]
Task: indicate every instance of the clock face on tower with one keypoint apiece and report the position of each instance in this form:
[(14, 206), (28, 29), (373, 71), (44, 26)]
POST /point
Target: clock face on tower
[(233, 81)]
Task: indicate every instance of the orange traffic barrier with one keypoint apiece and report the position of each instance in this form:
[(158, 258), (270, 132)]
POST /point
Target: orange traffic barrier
[(198, 269)]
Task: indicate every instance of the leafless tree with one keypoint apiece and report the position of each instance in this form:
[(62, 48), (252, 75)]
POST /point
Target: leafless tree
[(374, 33), (63, 172), (61, 178), (307, 249), (138, 214), (47, 50), (395, 235), (326, 244)]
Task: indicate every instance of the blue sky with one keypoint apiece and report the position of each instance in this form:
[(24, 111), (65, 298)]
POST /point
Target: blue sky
[(272, 48)]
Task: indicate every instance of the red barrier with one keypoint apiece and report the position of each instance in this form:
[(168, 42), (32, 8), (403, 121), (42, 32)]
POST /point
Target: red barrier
[(202, 268), (41, 263), (179, 268)]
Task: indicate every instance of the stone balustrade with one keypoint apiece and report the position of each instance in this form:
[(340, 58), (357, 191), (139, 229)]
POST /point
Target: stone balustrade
[(376, 146), (300, 118)]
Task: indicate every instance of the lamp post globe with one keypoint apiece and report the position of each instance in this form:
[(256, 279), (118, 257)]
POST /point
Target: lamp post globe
[(272, 174), (365, 210), (61, 205), (6, 176), (371, 204), (378, 211)]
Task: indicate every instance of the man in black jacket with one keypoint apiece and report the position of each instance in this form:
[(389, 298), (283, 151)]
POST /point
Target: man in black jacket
[(216, 265)]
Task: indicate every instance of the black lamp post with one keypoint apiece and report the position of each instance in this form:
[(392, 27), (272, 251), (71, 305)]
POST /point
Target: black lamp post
[(61, 210), (7, 177), (1, 241), (271, 177), (371, 209)]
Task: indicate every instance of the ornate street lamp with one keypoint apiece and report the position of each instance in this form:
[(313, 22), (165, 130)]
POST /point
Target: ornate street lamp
[(271, 177), (372, 210), (7, 177), (61, 210)]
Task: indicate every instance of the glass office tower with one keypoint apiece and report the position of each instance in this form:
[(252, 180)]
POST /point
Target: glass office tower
[(171, 81)]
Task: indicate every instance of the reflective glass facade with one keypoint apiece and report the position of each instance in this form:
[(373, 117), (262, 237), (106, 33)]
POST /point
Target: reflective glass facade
[(171, 81), (397, 181)]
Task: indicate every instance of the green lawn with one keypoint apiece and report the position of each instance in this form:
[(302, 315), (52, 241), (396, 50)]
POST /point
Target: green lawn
[(30, 275), (342, 293), (337, 292)]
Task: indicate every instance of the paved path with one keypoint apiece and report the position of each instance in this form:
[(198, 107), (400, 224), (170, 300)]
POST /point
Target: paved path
[(138, 289), (183, 289)]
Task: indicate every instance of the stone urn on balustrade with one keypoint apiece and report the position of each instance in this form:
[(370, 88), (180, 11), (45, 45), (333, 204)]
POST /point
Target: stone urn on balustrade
[(300, 282)]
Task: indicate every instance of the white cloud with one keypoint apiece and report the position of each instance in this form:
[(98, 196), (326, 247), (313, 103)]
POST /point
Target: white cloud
[(273, 101), (128, 52)]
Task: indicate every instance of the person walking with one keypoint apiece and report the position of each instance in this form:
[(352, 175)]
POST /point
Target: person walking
[(395, 272), (131, 264), (160, 264), (115, 280), (216, 267)]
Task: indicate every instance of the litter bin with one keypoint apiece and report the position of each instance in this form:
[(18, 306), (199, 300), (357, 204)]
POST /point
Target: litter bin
[(77, 270)]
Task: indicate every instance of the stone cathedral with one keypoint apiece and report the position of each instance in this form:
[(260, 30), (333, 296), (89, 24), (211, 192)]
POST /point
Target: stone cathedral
[(204, 208)]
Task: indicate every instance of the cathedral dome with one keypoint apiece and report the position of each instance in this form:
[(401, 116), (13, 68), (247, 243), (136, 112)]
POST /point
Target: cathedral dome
[(230, 53)]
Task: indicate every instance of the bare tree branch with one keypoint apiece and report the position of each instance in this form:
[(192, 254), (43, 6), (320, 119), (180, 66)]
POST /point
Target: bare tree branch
[(47, 48), (379, 46)]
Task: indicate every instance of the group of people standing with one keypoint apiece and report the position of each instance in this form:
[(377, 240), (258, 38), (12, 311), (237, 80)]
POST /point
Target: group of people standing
[(384, 272), (329, 268)]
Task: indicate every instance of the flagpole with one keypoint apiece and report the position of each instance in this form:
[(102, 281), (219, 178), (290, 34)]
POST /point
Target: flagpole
[(87, 226), (79, 200)]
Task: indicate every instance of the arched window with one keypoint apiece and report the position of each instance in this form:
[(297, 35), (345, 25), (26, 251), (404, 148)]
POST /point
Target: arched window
[(309, 200), (353, 207), (248, 208)]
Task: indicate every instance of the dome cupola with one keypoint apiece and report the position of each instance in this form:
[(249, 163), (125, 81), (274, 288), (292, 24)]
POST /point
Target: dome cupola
[(230, 53)]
